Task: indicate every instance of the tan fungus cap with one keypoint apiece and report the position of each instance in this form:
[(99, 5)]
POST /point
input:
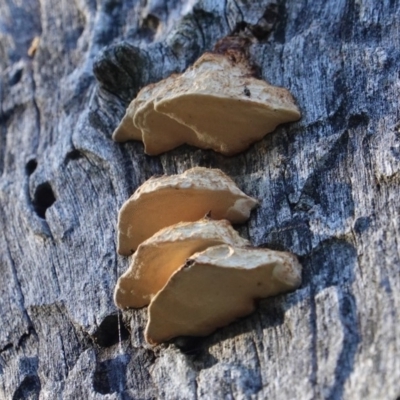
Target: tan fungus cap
[(165, 201), (216, 104), (126, 130), (216, 287), (160, 133), (157, 258), (226, 107)]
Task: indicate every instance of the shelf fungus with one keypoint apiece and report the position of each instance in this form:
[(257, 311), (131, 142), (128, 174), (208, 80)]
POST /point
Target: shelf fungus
[(126, 129), (157, 258), (188, 197), (217, 286), (158, 132), (216, 104)]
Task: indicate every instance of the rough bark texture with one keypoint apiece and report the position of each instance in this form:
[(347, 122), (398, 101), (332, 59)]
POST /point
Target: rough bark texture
[(328, 185)]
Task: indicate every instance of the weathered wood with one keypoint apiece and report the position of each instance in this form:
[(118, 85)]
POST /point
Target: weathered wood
[(329, 188)]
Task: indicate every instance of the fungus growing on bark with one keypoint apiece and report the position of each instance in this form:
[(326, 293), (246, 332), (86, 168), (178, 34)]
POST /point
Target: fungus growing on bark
[(126, 130), (165, 201), (217, 286), (226, 107), (157, 258), (216, 104), (158, 132)]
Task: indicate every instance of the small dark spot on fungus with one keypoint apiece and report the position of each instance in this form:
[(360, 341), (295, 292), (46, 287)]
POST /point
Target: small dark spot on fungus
[(247, 91), (30, 166), (43, 199), (188, 264)]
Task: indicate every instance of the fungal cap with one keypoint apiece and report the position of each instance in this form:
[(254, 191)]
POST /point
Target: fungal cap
[(165, 201), (217, 286), (224, 105), (157, 258), (126, 130), (160, 133)]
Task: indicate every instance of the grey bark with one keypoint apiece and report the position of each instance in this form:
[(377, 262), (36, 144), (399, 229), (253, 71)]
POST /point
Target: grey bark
[(328, 185)]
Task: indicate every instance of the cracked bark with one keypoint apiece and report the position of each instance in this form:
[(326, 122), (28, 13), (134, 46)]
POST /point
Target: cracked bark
[(328, 185)]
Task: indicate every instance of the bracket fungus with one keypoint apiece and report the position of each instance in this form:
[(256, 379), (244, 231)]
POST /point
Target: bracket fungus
[(216, 104), (158, 131), (126, 129), (186, 197), (226, 107), (157, 258), (217, 286), (196, 273)]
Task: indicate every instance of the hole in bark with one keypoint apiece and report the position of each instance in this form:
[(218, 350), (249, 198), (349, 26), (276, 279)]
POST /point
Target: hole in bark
[(111, 5), (362, 224), (16, 77), (74, 155), (7, 347), (30, 166), (151, 22), (107, 334), (110, 375), (43, 199), (28, 389), (264, 26), (190, 345), (357, 120)]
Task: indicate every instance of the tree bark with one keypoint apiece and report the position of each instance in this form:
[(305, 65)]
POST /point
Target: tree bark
[(328, 186)]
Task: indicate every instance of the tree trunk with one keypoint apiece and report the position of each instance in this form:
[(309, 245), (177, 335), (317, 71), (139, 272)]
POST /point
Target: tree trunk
[(328, 187)]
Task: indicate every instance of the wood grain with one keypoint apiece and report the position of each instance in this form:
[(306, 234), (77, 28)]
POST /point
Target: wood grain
[(329, 189)]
